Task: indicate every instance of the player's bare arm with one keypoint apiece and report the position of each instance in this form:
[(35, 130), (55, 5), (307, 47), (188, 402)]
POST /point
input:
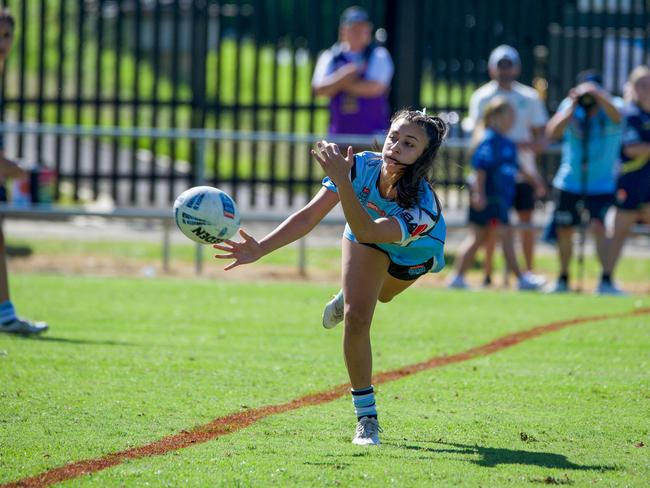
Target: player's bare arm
[(293, 228)]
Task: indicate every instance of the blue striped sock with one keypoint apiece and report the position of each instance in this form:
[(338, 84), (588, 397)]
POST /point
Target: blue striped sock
[(364, 402), (7, 312)]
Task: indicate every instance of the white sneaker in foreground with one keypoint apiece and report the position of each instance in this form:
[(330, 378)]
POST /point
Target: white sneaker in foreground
[(367, 433), (609, 289), (23, 327), (333, 312)]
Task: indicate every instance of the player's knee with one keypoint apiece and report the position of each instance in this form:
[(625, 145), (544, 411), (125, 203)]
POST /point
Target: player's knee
[(386, 297), (356, 321)]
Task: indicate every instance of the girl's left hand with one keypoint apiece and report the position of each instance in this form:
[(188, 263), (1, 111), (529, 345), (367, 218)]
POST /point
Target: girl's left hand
[(335, 165), (244, 252)]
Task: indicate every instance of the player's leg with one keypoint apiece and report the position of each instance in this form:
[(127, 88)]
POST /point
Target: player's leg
[(364, 270), (9, 321)]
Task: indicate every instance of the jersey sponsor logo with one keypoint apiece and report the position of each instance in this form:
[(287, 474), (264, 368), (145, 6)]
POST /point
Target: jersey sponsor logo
[(418, 230), (192, 220), (205, 235), (416, 270), (228, 207), (374, 207)]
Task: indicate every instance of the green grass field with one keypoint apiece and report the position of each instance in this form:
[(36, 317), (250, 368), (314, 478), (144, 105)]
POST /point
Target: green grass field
[(129, 361)]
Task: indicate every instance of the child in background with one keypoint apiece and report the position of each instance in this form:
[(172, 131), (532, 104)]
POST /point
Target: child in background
[(493, 188)]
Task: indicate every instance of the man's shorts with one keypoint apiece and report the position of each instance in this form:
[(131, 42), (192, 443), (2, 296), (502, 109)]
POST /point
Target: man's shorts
[(524, 197), (403, 272), (566, 207), (633, 191), (492, 215)]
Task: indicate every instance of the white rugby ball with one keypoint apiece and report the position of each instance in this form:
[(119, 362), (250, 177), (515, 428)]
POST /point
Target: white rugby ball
[(206, 214)]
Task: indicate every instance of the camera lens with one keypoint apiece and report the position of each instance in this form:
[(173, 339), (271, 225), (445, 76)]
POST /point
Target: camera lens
[(586, 101)]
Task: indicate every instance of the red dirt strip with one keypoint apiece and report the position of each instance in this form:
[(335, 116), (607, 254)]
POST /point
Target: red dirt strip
[(231, 423)]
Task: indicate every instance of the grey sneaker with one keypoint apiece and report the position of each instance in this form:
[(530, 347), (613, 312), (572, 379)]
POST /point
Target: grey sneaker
[(559, 287), (367, 433), (23, 327), (333, 313), (609, 288)]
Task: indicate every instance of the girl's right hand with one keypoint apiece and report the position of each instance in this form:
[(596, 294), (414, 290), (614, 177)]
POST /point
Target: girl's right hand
[(244, 252)]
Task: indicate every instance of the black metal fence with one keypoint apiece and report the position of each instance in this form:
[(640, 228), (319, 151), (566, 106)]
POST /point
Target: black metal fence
[(246, 65)]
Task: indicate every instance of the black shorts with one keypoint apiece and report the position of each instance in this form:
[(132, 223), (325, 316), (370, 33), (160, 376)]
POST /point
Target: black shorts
[(492, 215), (566, 207), (524, 197), (633, 190), (404, 272)]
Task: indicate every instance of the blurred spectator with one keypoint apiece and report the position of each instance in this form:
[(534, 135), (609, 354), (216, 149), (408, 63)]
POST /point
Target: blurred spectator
[(527, 133), (633, 189), (9, 322), (493, 190), (589, 123), (356, 74)]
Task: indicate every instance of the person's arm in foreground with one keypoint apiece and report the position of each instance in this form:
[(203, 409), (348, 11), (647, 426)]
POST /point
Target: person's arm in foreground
[(293, 228)]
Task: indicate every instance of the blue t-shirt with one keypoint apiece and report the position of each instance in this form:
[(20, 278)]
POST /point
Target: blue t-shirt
[(497, 156), (602, 151), (636, 129), (423, 227)]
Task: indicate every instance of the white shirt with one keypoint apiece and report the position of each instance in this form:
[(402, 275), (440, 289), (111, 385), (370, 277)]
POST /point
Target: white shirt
[(530, 112)]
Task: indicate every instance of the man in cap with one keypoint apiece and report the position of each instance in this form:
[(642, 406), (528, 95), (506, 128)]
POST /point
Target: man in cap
[(504, 67), (356, 74)]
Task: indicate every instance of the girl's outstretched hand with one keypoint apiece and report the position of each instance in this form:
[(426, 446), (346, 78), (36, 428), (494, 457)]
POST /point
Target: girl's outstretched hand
[(244, 252), (336, 165)]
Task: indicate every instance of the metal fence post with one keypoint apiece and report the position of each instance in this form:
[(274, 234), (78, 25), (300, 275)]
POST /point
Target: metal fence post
[(199, 179)]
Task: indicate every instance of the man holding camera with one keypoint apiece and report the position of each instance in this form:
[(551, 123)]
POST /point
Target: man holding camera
[(589, 123)]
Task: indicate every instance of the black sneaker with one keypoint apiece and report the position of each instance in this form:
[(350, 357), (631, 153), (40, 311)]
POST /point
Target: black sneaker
[(23, 327)]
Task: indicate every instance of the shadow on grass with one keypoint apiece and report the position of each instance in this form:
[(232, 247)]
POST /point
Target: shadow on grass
[(491, 457)]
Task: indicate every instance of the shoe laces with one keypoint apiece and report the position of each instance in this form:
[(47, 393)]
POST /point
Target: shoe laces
[(368, 427)]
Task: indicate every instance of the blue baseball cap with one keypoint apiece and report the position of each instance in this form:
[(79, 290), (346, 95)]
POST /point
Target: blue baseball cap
[(354, 14), (589, 75)]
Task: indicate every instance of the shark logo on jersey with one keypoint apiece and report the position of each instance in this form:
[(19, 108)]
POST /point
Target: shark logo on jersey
[(363, 196), (192, 220), (195, 201)]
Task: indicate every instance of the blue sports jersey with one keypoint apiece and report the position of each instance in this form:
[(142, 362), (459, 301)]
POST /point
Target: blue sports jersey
[(423, 227), (602, 152), (497, 156), (636, 130)]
